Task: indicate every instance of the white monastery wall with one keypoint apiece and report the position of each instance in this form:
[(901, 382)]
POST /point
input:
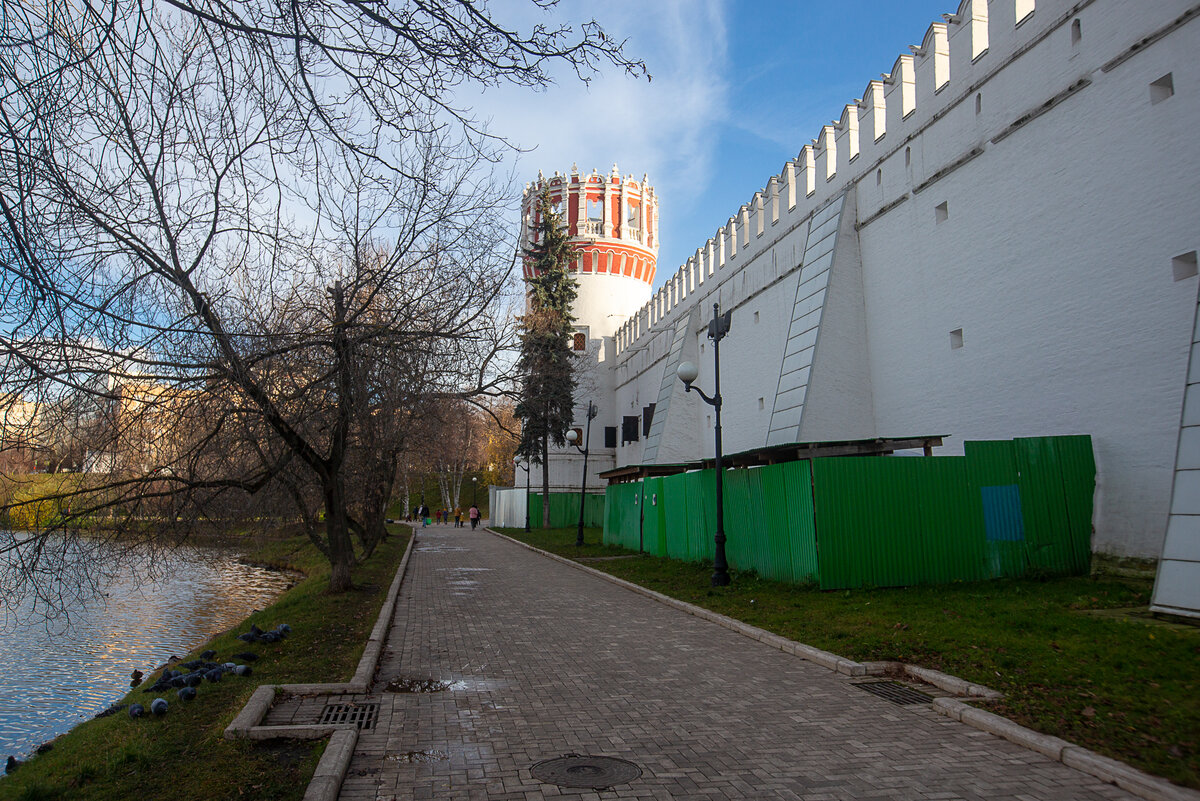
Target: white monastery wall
[(1016, 187)]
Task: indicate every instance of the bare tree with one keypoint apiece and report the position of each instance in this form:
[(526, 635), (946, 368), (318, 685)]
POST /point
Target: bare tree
[(248, 235)]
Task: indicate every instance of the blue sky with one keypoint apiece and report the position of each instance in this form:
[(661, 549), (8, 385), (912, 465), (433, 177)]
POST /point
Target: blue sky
[(738, 88)]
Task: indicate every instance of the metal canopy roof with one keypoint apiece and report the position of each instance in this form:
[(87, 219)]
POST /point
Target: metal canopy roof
[(774, 454)]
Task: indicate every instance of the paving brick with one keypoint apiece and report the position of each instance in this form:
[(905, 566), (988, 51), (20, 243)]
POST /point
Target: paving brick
[(546, 660)]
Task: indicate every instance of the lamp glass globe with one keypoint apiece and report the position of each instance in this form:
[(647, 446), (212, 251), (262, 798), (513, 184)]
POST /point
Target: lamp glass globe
[(687, 372), (572, 436)]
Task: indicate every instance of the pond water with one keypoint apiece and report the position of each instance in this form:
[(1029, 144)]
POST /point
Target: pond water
[(54, 674)]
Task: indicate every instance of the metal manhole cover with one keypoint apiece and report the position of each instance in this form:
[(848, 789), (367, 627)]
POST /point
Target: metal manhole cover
[(361, 715), (577, 770), (895, 692)]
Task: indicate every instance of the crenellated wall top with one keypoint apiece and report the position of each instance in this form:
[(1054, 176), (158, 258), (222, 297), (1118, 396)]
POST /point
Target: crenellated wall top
[(957, 55)]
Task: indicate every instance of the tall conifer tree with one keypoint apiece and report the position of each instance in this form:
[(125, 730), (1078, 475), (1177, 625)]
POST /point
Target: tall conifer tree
[(547, 361)]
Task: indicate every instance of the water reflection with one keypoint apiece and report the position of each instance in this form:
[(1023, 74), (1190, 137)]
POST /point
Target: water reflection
[(52, 675)]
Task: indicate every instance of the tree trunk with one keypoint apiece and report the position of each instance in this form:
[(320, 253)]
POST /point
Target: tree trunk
[(546, 482), (337, 531)]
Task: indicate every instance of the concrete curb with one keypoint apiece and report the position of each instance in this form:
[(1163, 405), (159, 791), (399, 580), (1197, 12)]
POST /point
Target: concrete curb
[(331, 770), (246, 724), (1103, 768)]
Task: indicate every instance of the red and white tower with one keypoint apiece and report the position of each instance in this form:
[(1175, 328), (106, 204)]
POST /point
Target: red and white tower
[(613, 222)]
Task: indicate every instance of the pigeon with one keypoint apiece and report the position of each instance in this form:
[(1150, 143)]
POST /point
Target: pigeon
[(247, 637), (136, 711), (112, 710), (194, 679), (241, 670), (135, 678), (269, 636), (209, 654), (229, 666), (192, 665), (246, 656), (213, 675), (12, 764), (159, 706), (178, 681), (186, 694)]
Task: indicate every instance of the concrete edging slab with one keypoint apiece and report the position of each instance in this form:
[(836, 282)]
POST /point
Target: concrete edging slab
[(327, 779), (246, 724), (1103, 768)]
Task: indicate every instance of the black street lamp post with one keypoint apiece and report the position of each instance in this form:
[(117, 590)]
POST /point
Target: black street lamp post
[(528, 473), (592, 411), (475, 491), (718, 327)]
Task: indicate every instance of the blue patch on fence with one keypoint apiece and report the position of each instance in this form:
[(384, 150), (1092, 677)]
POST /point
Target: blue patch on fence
[(1002, 513)]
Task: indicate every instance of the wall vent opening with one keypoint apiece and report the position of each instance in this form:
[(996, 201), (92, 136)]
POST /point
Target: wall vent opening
[(956, 339), (1184, 265), (761, 404), (978, 102), (1163, 88), (756, 318), (1076, 32), (907, 156), (941, 212), (878, 177)]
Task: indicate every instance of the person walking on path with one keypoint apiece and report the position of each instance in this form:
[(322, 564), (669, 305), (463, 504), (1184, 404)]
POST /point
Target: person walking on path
[(423, 513), (473, 513), (458, 517)]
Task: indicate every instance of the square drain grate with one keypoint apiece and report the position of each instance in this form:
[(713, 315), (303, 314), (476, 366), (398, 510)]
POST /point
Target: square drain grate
[(895, 692), (361, 715)]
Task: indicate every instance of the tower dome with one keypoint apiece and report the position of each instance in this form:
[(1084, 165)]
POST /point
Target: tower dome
[(612, 221)]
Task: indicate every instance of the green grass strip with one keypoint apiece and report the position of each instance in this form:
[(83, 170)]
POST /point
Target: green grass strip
[(183, 755), (1071, 655)]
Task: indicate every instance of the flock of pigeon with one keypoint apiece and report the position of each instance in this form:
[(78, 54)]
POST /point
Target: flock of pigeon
[(185, 682), (194, 673)]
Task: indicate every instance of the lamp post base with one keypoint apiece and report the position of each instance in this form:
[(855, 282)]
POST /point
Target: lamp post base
[(720, 578)]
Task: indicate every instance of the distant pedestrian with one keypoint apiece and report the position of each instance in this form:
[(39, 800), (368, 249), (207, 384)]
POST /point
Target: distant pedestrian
[(458, 517), (423, 513), (473, 513)]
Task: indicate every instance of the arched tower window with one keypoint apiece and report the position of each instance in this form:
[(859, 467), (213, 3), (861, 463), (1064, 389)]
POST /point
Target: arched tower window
[(579, 341)]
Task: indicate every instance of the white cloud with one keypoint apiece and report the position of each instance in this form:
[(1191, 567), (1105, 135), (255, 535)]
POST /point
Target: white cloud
[(666, 128)]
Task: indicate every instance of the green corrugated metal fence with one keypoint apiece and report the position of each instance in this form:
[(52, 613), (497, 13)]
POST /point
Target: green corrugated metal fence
[(1004, 508), (622, 515), (894, 521), (564, 510)]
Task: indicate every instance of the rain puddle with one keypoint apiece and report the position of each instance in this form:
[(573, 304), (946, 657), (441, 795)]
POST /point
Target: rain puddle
[(431, 548), (408, 684), (419, 756)]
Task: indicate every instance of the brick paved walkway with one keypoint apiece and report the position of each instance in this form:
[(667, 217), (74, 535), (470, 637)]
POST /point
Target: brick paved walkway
[(547, 660)]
